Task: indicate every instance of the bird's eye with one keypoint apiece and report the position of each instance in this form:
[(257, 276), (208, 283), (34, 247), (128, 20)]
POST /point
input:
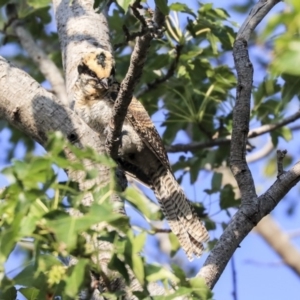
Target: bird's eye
[(83, 69), (92, 74)]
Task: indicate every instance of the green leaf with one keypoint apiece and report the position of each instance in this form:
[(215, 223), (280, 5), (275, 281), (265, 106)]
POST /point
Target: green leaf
[(179, 273), (163, 6), (141, 202), (8, 293), (25, 277), (213, 42), (3, 2), (138, 268), (290, 87), (139, 242), (174, 243), (118, 265), (286, 133), (29, 293), (156, 273), (200, 288), (181, 291), (227, 197), (132, 250), (183, 8), (8, 240), (38, 3), (77, 277), (124, 4)]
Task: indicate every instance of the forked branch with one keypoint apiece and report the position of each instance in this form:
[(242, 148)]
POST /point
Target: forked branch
[(253, 208)]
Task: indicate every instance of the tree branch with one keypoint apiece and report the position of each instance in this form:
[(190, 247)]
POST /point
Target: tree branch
[(38, 112), (128, 84), (280, 156), (225, 141), (80, 30), (253, 208), (280, 242), (241, 118), (45, 65), (243, 222), (153, 85)]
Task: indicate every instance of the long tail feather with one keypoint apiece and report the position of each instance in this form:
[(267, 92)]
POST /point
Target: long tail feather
[(181, 217)]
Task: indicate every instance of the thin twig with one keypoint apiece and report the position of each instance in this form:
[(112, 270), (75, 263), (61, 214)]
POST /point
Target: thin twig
[(234, 278), (129, 36), (271, 127), (280, 157), (160, 230), (267, 148), (226, 140), (197, 146), (170, 73)]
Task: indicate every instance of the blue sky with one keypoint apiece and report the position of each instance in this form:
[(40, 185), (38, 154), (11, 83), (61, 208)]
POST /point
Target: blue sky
[(260, 272)]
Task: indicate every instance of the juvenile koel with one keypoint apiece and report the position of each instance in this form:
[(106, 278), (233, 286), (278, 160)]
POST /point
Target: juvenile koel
[(141, 153)]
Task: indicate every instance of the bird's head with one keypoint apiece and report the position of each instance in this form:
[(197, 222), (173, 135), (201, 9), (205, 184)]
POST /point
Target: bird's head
[(97, 69)]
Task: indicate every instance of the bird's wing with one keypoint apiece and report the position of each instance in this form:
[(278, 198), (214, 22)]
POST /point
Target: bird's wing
[(142, 123)]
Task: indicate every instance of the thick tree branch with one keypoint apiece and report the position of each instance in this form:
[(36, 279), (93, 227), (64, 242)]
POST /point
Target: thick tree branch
[(243, 222), (38, 112), (253, 208), (80, 30)]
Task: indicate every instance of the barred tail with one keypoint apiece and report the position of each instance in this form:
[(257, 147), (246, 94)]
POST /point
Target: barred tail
[(181, 217)]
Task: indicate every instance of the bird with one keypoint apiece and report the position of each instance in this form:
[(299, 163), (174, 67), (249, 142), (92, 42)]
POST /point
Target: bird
[(141, 154)]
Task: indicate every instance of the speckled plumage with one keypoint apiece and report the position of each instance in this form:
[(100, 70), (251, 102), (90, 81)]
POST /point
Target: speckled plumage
[(141, 154)]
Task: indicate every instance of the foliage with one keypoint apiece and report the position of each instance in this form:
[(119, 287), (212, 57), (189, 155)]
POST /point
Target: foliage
[(197, 99), (35, 218)]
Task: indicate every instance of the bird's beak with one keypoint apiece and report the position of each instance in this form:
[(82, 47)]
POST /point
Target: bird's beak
[(104, 82)]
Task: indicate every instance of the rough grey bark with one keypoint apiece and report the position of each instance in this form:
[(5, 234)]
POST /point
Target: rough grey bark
[(253, 208), (44, 63), (80, 30), (37, 112)]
